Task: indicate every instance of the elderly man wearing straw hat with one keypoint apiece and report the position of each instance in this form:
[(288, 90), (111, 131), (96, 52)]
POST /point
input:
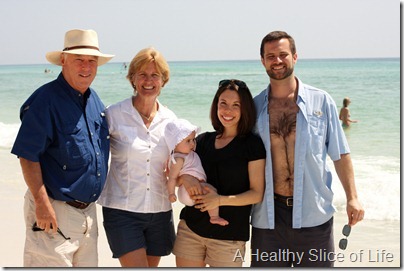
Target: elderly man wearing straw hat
[(63, 147)]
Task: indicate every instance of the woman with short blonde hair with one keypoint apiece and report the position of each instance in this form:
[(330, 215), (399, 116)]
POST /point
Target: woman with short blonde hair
[(137, 212)]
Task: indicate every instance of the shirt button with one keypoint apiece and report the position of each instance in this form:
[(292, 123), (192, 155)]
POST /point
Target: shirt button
[(94, 195), (98, 174), (107, 137), (148, 189), (148, 160), (64, 167), (148, 174), (98, 153)]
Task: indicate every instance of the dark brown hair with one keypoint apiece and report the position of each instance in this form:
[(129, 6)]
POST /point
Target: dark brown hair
[(275, 36)]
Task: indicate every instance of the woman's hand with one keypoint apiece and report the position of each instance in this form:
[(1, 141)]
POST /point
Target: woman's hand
[(191, 184), (208, 201)]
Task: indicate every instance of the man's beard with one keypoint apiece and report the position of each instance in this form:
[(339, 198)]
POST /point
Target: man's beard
[(278, 76)]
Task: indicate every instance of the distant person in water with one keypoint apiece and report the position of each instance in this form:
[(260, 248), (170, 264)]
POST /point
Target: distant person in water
[(344, 114)]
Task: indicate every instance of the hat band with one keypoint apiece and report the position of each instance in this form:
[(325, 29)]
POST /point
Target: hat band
[(81, 47)]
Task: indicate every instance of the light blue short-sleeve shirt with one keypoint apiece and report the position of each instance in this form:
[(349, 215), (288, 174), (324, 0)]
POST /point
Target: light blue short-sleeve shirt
[(318, 134)]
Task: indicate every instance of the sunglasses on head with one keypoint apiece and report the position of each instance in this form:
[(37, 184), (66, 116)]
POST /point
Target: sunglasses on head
[(343, 243), (227, 82), (36, 228)]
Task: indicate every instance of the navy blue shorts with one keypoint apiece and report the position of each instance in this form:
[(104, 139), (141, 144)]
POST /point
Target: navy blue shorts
[(128, 231), (305, 247)]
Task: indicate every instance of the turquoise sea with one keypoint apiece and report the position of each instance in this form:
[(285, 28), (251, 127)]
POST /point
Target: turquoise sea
[(372, 84)]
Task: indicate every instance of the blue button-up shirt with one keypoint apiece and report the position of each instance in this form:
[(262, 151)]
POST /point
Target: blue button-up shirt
[(67, 133), (318, 134)]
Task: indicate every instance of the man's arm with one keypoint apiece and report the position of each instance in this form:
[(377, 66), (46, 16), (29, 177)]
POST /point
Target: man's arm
[(345, 173), (45, 215)]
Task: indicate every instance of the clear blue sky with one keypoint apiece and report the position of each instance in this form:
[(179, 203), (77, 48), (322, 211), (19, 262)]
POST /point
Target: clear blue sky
[(201, 29)]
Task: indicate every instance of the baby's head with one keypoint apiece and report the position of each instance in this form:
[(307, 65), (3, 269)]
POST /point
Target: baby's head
[(180, 136), (187, 145)]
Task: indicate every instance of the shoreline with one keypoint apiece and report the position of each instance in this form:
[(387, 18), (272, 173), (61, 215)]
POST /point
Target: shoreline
[(372, 243)]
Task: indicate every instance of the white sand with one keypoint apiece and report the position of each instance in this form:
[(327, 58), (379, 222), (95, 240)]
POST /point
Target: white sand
[(372, 243)]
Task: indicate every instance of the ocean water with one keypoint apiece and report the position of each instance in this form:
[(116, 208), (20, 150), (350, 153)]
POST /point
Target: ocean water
[(372, 84)]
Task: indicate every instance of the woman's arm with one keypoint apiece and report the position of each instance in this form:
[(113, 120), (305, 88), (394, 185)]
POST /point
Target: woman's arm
[(256, 172), (191, 184)]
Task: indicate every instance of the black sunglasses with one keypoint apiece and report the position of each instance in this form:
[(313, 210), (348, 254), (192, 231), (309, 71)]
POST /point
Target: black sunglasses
[(238, 83), (36, 228), (343, 243)]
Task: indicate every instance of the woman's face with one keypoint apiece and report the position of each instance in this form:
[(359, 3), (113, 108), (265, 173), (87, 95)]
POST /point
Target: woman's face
[(229, 108), (148, 82)]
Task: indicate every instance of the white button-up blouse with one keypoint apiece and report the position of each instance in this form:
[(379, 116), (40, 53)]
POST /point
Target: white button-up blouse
[(136, 181)]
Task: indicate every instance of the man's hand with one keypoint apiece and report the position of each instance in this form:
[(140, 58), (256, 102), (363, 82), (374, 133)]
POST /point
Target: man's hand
[(355, 212)]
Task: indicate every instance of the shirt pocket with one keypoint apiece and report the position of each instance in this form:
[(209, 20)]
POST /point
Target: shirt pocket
[(75, 145), (101, 129), (126, 134), (317, 133)]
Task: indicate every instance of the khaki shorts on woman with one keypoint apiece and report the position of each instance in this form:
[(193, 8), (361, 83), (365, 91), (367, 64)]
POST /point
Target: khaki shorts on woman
[(214, 252)]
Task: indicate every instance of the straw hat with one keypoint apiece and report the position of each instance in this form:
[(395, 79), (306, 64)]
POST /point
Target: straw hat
[(80, 42), (176, 131)]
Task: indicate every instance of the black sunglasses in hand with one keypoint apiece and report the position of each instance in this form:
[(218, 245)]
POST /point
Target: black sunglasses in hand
[(36, 228), (343, 243)]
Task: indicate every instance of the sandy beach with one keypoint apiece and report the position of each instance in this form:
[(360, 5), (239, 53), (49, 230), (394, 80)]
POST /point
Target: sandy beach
[(372, 243)]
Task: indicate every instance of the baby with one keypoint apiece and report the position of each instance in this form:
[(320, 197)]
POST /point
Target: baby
[(180, 137)]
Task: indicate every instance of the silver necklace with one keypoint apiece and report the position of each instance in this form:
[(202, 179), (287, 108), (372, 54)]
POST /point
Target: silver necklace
[(143, 116)]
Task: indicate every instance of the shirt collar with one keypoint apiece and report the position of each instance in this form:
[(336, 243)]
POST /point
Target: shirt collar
[(129, 109), (76, 95)]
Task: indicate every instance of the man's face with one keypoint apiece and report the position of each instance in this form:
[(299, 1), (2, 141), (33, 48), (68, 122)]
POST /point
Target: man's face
[(79, 70), (278, 59)]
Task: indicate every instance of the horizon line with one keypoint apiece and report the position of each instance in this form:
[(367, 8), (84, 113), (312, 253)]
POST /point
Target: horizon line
[(224, 60)]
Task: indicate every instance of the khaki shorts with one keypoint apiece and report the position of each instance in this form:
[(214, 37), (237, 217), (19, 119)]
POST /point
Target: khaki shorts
[(215, 253), (51, 249)]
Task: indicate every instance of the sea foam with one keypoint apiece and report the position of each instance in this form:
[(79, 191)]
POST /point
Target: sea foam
[(377, 182), (8, 133)]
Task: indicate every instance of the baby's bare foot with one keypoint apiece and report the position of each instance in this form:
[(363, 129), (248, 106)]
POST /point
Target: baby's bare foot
[(218, 220)]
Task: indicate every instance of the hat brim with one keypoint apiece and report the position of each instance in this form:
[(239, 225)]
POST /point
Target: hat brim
[(54, 57), (180, 138)]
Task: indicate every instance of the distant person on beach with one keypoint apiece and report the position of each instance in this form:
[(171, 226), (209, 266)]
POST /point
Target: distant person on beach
[(138, 218), (299, 126), (345, 115), (180, 137), (63, 147), (233, 159)]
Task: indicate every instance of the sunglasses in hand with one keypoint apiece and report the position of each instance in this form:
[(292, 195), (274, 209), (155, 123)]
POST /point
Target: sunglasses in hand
[(343, 243), (36, 228)]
